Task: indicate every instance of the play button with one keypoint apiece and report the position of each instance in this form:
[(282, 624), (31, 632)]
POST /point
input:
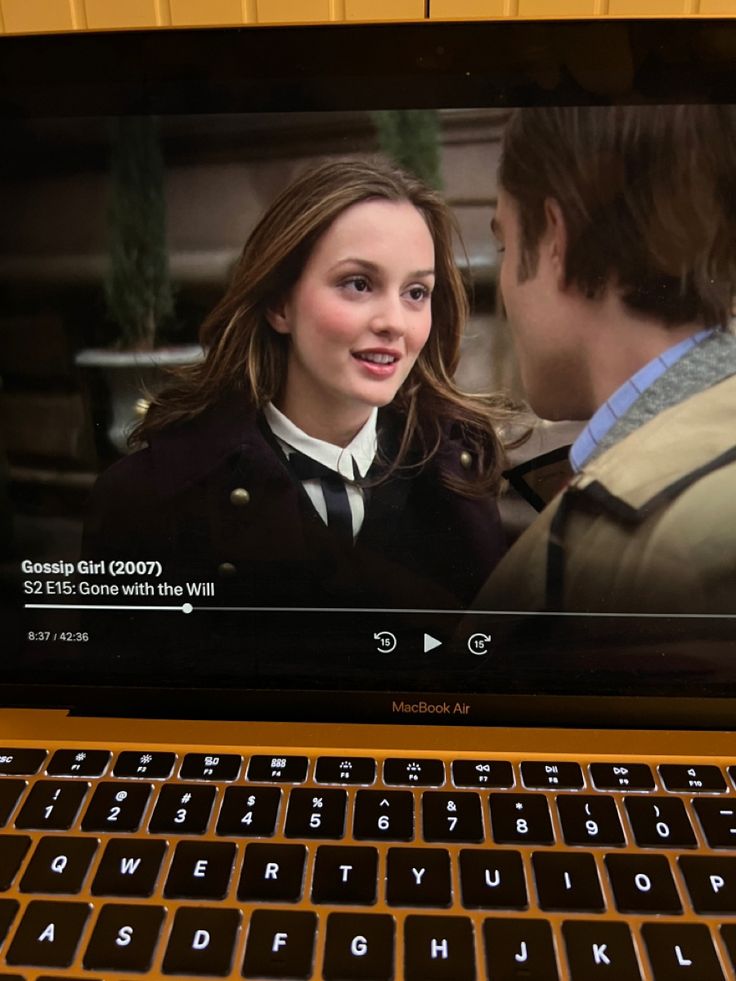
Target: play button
[(430, 643)]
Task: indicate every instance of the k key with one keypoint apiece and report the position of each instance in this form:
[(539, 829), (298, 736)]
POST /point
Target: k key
[(602, 950)]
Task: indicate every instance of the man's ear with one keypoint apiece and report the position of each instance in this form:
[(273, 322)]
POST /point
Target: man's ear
[(556, 238), (278, 318)]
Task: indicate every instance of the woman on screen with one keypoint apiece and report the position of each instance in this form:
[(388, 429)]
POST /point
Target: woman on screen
[(321, 453)]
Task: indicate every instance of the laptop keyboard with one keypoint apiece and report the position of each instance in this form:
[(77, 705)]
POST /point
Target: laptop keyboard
[(349, 867)]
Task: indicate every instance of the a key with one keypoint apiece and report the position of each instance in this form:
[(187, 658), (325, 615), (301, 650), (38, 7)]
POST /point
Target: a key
[(144, 765), (643, 884), (48, 934), (519, 950), (8, 909), (711, 882), (10, 791), (200, 870), (413, 772), (278, 769), (384, 815), (124, 938), (12, 852), (129, 867), (551, 775), (660, 822), (691, 779), (589, 820), (520, 819), (345, 769), (718, 820), (622, 776), (272, 873), (359, 947), (52, 805), (418, 877), (59, 865), (78, 763), (183, 808), (249, 812), (600, 950), (202, 941), (315, 813), (439, 949), (567, 881), (280, 944), (451, 816), (345, 874), (205, 766), (492, 879), (21, 762), (117, 807), (681, 950), (482, 773)]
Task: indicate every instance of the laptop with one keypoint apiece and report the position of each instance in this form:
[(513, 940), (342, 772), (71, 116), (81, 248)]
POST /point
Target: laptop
[(197, 783)]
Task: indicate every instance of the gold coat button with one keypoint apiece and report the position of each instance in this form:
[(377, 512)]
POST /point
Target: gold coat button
[(239, 497), (226, 570), (466, 460)]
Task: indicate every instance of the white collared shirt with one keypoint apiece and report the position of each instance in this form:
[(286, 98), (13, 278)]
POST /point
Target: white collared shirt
[(358, 456)]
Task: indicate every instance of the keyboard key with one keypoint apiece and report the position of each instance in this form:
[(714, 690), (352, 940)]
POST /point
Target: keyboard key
[(552, 775), (203, 766), (600, 950), (414, 772), (589, 820), (51, 805), (691, 779), (129, 867), (643, 884), (519, 949), (183, 808), (520, 819), (718, 820), (316, 814), (660, 822), (280, 944), (711, 882), (12, 852), (681, 950), (78, 763), (8, 909), (21, 762), (202, 941), (482, 773), (59, 865), (200, 870), (345, 769), (249, 812), (567, 881), (344, 874), (728, 935), (48, 934), (418, 877), (117, 807), (124, 938), (272, 873), (384, 815), (622, 776), (438, 949), (278, 769), (10, 791), (451, 816), (492, 879), (145, 765), (359, 947)]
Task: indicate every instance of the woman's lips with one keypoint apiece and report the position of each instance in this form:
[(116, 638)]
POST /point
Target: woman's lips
[(378, 364)]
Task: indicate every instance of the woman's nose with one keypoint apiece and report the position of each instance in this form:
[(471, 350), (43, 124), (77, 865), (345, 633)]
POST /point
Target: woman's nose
[(388, 316)]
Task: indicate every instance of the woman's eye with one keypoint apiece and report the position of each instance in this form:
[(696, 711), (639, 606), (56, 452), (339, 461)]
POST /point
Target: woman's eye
[(358, 283), (418, 293)]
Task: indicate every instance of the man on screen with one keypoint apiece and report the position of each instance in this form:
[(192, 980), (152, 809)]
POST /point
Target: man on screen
[(617, 228)]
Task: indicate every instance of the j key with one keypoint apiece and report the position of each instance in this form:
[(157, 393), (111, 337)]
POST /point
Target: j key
[(8, 909), (124, 938), (145, 766), (184, 808), (567, 881), (21, 762), (414, 772), (200, 870), (643, 884), (359, 947), (78, 763), (278, 769), (492, 879), (660, 822), (711, 882), (10, 791), (600, 950), (129, 867), (418, 877), (482, 773), (345, 769), (384, 815), (589, 820), (345, 874), (12, 851), (203, 766), (681, 951), (280, 944), (691, 779), (59, 865), (451, 816), (117, 807), (550, 775), (622, 776), (48, 934), (51, 805), (249, 812), (316, 814), (272, 873), (202, 941), (519, 950), (520, 818), (718, 818), (438, 949)]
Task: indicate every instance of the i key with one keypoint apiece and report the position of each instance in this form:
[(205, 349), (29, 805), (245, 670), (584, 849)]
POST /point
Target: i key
[(567, 881)]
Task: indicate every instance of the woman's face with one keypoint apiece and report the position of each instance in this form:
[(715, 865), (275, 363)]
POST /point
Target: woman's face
[(357, 318)]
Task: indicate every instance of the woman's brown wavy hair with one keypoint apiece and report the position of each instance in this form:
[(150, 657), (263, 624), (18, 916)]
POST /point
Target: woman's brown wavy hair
[(244, 354)]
